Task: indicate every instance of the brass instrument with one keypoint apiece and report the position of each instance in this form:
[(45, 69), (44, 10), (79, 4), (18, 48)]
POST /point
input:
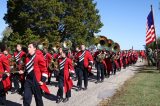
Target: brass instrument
[(11, 72), (100, 57), (56, 46), (13, 67), (67, 44), (43, 43), (116, 47), (102, 42), (116, 57), (53, 65), (109, 44)]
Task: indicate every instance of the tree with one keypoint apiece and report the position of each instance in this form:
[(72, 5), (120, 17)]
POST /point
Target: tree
[(76, 20), (6, 33), (15, 39), (41, 16), (81, 21), (154, 45)]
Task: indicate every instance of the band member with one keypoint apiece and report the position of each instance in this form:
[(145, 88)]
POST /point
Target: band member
[(75, 53), (114, 63), (158, 60), (108, 61), (7, 54), (84, 62), (57, 56), (60, 51), (130, 57), (134, 57), (35, 76), (64, 79), (5, 83), (100, 65), (119, 57), (142, 55), (19, 56), (48, 59), (124, 59)]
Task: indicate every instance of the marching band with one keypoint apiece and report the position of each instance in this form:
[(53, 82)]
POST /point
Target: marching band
[(35, 68)]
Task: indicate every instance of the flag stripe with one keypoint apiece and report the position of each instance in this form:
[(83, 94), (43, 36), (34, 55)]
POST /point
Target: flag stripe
[(150, 30)]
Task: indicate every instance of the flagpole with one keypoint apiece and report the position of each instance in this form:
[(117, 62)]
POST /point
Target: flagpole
[(156, 37)]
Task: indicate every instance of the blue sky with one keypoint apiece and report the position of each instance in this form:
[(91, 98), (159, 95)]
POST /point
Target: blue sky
[(124, 20)]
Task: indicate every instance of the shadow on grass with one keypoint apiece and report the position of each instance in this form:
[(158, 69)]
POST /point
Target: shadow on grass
[(147, 69)]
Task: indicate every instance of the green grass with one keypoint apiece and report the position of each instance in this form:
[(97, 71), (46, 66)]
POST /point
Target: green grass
[(141, 90)]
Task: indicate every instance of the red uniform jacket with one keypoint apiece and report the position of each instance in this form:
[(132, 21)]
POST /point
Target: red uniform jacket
[(116, 63), (87, 58), (39, 52), (95, 54), (4, 67), (109, 64), (68, 67), (22, 55), (40, 70), (9, 56), (121, 57), (48, 59), (55, 55)]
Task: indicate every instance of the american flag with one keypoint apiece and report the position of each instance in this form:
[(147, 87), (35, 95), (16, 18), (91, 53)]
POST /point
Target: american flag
[(150, 33)]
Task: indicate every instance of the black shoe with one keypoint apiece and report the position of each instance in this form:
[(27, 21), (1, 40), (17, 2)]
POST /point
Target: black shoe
[(20, 92), (65, 100), (48, 83), (85, 88), (15, 91), (79, 89), (12, 90), (59, 100), (102, 81), (75, 79), (97, 82)]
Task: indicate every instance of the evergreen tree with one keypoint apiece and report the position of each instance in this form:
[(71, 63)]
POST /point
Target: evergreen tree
[(56, 20)]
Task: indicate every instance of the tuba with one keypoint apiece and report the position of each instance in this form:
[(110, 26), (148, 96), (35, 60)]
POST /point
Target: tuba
[(56, 46), (116, 47), (102, 42), (109, 44), (67, 44)]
